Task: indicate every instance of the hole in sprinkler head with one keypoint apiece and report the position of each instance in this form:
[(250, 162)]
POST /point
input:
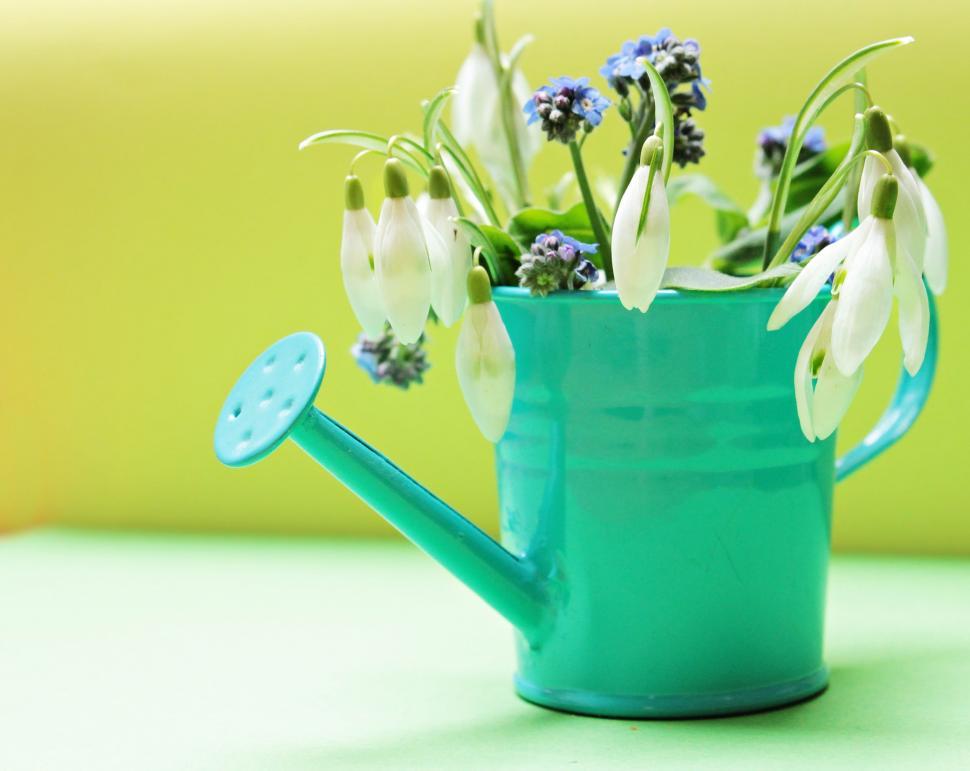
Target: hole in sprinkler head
[(267, 397), (268, 364), (299, 361), (236, 412), (286, 408)]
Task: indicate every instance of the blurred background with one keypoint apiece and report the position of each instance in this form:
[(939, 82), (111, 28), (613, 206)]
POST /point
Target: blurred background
[(158, 228)]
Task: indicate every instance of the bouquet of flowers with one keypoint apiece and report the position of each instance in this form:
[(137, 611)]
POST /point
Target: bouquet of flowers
[(856, 216)]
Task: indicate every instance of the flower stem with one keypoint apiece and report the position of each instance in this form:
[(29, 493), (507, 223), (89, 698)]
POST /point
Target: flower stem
[(643, 130), (595, 218)]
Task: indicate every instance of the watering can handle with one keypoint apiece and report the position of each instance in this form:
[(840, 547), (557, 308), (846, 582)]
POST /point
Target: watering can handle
[(911, 394)]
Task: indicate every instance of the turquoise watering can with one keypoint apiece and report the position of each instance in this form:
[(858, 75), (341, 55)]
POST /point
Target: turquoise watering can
[(665, 525)]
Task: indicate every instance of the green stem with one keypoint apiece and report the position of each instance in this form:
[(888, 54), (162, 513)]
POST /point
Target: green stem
[(643, 130), (595, 218)]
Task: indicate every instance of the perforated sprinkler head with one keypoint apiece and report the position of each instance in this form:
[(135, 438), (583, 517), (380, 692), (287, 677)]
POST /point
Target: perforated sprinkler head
[(270, 399)]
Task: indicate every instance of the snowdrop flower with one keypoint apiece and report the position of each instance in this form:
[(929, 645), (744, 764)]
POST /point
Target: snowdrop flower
[(870, 266), (476, 115), (822, 392), (909, 217), (357, 261), (449, 274), (485, 359), (401, 258), (936, 257), (641, 244)]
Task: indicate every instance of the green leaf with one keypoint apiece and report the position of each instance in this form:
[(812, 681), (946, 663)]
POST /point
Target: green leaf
[(665, 114), (706, 280), (746, 251), (500, 251), (467, 170), (730, 218), (432, 114), (837, 78), (364, 139), (508, 68), (526, 224)]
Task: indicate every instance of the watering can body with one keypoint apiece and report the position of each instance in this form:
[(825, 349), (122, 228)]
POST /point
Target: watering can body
[(665, 524)]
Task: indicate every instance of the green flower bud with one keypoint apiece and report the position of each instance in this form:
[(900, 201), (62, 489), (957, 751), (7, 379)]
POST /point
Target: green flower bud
[(438, 183), (625, 109), (353, 193), (879, 135), (479, 286), (395, 180), (652, 145), (901, 144), (884, 197)]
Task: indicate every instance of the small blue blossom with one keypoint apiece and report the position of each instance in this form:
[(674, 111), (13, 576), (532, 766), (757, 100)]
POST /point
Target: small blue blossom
[(814, 241), (566, 106), (773, 142), (554, 239)]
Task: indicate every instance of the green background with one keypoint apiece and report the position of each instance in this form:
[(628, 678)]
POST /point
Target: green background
[(158, 227)]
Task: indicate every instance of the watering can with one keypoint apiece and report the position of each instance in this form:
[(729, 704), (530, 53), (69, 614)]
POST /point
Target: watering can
[(665, 524)]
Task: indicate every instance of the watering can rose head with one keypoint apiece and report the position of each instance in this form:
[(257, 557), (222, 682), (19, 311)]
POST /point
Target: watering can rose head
[(473, 228)]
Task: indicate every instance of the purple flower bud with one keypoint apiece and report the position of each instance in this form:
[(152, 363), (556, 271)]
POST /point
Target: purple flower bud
[(557, 116), (562, 102)]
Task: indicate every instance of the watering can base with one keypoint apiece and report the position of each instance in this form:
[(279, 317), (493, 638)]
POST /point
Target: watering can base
[(647, 707)]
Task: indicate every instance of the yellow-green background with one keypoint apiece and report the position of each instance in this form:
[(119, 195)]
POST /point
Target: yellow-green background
[(158, 227)]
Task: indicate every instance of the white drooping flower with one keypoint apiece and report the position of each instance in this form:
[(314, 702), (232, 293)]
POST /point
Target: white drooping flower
[(476, 114), (357, 261), (402, 264), (449, 275), (822, 393), (909, 217), (641, 245), (870, 267), (485, 359)]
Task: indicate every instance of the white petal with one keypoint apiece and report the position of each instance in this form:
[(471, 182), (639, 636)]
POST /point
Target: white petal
[(914, 311), (833, 395), (935, 261), (449, 293), (485, 362), (403, 269), (803, 375), (908, 222), (872, 170), (638, 265), (475, 86), (360, 280), (813, 276), (909, 186), (865, 298), (530, 137)]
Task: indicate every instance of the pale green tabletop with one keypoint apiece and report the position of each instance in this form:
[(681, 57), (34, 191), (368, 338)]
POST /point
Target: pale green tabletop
[(177, 652)]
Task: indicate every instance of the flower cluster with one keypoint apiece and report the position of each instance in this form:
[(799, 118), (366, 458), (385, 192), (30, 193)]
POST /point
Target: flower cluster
[(566, 106), (678, 63), (388, 360), (688, 140), (773, 142), (555, 261)]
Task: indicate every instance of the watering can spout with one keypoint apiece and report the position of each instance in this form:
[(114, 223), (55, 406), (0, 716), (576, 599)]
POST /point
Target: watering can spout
[(273, 401)]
